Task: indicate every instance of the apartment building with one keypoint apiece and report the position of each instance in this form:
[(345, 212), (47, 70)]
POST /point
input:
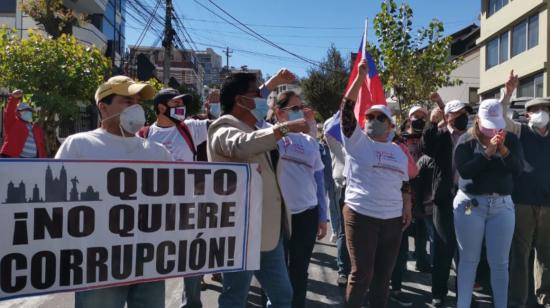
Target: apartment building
[(514, 36)]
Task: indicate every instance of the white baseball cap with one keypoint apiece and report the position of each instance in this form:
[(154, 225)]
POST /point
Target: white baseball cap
[(381, 108), (491, 114), (418, 108), (457, 105)]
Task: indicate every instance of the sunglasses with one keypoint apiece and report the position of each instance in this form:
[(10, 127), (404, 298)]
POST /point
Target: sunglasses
[(294, 108), (380, 117)]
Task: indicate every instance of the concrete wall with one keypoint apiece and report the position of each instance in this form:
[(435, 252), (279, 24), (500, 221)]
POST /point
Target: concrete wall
[(468, 72)]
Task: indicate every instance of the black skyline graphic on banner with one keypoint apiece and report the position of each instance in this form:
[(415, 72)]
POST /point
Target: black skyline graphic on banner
[(56, 190)]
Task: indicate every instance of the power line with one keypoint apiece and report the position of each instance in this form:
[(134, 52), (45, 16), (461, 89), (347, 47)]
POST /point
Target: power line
[(278, 26), (253, 33)]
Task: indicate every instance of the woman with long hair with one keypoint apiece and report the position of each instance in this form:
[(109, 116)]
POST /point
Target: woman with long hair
[(301, 178), (486, 158)]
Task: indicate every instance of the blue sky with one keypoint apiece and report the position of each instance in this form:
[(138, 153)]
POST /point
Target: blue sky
[(304, 27)]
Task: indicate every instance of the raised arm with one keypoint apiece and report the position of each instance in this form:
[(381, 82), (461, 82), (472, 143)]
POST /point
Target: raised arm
[(10, 113), (347, 118), (510, 85)]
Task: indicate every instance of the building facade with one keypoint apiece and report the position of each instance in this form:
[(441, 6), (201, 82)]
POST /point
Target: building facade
[(514, 36), (464, 46), (105, 28), (212, 64)]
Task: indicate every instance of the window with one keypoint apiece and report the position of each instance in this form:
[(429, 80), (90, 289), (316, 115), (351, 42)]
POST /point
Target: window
[(497, 50), (531, 86), (8, 6), (519, 38), (472, 95), (503, 48), (525, 35), (533, 31), (494, 5)]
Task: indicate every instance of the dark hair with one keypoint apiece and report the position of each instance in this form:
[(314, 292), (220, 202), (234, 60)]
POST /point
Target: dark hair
[(108, 100), (233, 85), (284, 98)]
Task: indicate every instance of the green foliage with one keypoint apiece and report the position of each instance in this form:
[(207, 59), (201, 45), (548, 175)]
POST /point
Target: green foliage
[(53, 16), (59, 73), (412, 66), (324, 86)]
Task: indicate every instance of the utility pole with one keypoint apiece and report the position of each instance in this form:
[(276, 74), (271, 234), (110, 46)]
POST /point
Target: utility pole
[(167, 42), (227, 55)]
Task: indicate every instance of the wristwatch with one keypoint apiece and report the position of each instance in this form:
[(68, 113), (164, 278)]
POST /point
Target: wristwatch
[(283, 128)]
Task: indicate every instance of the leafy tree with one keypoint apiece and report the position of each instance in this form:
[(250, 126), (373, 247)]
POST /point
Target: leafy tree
[(412, 67), (61, 74), (53, 16), (325, 85)]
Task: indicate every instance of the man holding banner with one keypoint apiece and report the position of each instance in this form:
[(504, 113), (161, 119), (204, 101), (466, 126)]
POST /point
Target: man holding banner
[(118, 102), (234, 137)]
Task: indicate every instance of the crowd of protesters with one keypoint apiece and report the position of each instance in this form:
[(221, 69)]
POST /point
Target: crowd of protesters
[(458, 188)]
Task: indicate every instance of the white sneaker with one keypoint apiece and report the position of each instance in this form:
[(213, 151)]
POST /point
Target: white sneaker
[(333, 238)]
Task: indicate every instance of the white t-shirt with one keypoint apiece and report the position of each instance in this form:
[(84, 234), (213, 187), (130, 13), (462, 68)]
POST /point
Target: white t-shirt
[(299, 158), (174, 142), (101, 145), (377, 171)]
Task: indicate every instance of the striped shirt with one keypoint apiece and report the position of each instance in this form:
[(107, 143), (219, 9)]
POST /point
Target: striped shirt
[(29, 150)]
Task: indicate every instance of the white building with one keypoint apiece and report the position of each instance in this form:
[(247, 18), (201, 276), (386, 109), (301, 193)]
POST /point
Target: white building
[(104, 29)]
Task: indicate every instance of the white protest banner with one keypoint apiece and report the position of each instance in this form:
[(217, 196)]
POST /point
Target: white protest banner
[(74, 225)]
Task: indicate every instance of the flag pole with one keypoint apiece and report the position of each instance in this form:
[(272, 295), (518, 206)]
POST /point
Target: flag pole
[(364, 51)]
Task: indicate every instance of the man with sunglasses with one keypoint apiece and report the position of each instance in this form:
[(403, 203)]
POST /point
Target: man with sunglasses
[(236, 137), (532, 199), (377, 202), (438, 141)]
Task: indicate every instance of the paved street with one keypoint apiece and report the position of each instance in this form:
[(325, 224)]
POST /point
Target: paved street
[(322, 292)]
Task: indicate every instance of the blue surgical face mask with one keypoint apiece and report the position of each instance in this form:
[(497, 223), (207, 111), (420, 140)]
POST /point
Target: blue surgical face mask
[(26, 116), (215, 109), (295, 115), (261, 109)]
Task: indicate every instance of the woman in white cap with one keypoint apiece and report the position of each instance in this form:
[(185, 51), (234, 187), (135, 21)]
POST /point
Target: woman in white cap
[(377, 199), (486, 159)]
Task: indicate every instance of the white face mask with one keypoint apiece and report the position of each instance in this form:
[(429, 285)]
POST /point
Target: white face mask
[(539, 119), (177, 113), (131, 119)]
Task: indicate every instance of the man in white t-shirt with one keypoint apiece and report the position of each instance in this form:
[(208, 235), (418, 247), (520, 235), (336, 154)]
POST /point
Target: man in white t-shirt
[(377, 203), (181, 137), (121, 117)]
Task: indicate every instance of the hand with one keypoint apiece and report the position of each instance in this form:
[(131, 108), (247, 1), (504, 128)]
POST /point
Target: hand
[(309, 114), (511, 84), (298, 126), (436, 115), (213, 97), (436, 98), (501, 147), (283, 76), (491, 147), (321, 231), (407, 215), (17, 94)]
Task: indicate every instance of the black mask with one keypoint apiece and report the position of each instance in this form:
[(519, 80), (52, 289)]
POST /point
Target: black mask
[(418, 125), (461, 122)]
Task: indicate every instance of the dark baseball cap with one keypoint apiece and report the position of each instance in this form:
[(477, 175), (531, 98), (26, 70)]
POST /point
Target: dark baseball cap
[(168, 94)]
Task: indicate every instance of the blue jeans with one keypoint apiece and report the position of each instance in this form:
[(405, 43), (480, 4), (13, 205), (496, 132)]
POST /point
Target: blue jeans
[(272, 275), (191, 295), (493, 219), (141, 295), (333, 207)]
